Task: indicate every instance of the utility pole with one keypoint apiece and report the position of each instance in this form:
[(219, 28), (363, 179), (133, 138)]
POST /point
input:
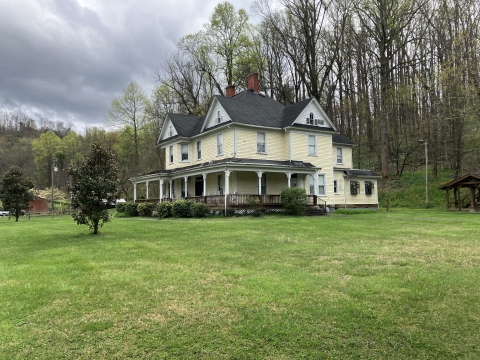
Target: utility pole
[(426, 169), (53, 170)]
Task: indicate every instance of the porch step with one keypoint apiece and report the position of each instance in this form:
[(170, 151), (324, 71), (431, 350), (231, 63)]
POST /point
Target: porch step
[(314, 212)]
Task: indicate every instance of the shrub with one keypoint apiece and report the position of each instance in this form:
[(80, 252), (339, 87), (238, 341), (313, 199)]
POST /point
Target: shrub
[(164, 210), (294, 200), (200, 210), (182, 208), (131, 209), (120, 207), (145, 209), (254, 205)]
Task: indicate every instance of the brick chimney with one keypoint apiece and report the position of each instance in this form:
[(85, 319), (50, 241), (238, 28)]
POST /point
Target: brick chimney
[(252, 82), (230, 91)]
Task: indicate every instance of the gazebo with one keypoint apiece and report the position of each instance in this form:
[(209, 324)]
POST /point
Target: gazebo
[(470, 181)]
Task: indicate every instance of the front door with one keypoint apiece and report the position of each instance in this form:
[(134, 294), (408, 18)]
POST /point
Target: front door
[(199, 186)]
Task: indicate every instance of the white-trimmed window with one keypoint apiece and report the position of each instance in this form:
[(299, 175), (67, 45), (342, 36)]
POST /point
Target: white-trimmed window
[(310, 119), (335, 186), (321, 185), (219, 117), (184, 152), (369, 187), (220, 144), (354, 187), (199, 150), (312, 145), (261, 143), (339, 156), (170, 154)]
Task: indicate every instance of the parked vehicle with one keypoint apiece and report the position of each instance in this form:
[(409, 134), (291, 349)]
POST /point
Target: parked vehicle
[(4, 213)]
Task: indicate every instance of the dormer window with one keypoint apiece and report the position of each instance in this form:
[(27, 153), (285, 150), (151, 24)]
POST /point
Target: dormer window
[(311, 121)]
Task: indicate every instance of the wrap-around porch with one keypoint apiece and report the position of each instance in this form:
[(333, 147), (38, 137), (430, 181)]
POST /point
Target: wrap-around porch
[(230, 188)]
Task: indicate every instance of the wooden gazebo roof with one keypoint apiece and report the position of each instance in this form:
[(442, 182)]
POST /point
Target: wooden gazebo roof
[(471, 181), (467, 180)]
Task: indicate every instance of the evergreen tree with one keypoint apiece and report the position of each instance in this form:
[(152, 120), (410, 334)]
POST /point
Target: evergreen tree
[(15, 191), (94, 186)]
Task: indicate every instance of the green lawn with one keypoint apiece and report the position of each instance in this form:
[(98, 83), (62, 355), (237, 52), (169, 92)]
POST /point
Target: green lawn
[(398, 285)]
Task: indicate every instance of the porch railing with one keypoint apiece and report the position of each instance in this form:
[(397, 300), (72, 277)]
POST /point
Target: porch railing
[(245, 199)]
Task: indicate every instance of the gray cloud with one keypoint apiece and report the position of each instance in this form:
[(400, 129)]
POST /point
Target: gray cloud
[(67, 59)]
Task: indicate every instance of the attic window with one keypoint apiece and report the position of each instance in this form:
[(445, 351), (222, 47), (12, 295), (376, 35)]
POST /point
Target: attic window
[(170, 132), (311, 121), (219, 118)]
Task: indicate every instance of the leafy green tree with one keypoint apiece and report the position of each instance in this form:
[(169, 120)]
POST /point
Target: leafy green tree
[(46, 148), (129, 113), (94, 187), (16, 191)]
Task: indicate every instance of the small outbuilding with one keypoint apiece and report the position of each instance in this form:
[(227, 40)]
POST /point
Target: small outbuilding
[(471, 200), (39, 205)]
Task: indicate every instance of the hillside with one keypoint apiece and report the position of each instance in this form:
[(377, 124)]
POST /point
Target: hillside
[(409, 191)]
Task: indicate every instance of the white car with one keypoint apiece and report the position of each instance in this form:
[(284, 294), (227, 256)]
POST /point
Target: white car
[(4, 213)]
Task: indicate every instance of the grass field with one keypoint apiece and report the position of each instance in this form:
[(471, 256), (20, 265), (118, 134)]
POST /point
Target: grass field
[(397, 285)]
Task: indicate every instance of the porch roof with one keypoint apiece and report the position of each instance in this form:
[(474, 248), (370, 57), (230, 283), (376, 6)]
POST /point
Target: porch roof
[(360, 173), (293, 166)]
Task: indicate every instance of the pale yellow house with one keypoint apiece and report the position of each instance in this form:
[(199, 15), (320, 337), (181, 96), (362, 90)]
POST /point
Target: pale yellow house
[(248, 144)]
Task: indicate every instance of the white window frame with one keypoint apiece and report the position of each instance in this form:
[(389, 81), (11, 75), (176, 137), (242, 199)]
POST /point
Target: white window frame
[(220, 144), (339, 156), (182, 153), (219, 118), (170, 154), (199, 150), (260, 144), (314, 137), (322, 188), (336, 190), (372, 187), (355, 184)]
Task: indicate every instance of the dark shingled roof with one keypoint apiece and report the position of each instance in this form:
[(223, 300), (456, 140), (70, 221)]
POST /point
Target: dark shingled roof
[(291, 112), (187, 125), (250, 108), (340, 139), (233, 161), (360, 173)]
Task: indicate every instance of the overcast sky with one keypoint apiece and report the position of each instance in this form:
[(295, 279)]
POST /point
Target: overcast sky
[(67, 59)]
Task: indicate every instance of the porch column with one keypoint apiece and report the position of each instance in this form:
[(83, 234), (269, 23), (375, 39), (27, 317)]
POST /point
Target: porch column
[(134, 192), (161, 189), (289, 175), (227, 182), (204, 184), (259, 173), (146, 190), (315, 183), (185, 178), (170, 188)]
